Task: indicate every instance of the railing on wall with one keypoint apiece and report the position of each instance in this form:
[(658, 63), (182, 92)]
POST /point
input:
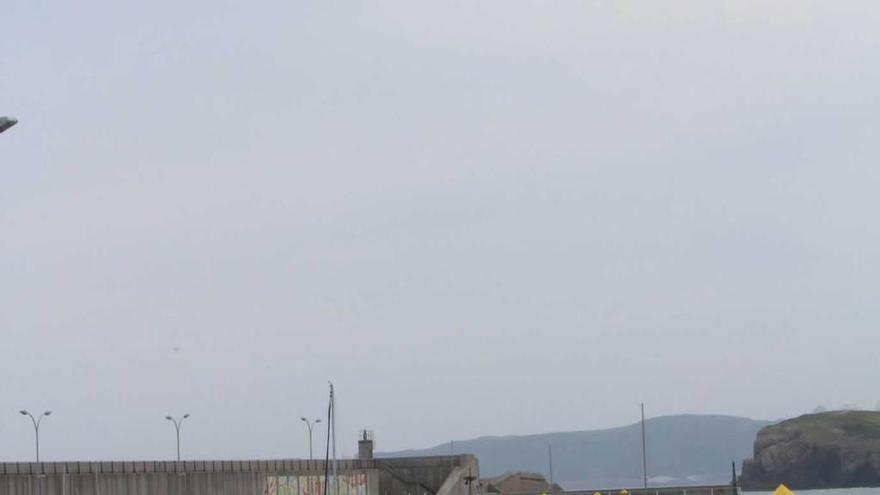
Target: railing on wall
[(233, 466), (124, 467)]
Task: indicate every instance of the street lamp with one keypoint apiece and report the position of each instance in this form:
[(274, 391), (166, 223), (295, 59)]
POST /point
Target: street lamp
[(310, 425), (6, 123), (177, 423), (36, 423)]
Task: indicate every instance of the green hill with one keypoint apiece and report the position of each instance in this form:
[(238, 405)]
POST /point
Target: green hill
[(683, 449)]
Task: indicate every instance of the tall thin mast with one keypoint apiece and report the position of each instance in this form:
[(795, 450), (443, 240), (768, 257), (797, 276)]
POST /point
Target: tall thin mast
[(333, 426), (327, 449), (644, 453)]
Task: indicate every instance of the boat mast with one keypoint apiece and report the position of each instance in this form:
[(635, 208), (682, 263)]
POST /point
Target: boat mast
[(644, 453)]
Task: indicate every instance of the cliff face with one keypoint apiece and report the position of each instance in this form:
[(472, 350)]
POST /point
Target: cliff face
[(837, 449)]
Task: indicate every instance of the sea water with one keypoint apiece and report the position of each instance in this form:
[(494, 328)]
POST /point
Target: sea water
[(836, 491)]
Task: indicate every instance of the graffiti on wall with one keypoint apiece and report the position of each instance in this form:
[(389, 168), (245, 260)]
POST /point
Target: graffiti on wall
[(350, 483)]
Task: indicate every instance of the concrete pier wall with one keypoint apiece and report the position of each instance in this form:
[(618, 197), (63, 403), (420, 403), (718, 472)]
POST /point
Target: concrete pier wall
[(405, 476)]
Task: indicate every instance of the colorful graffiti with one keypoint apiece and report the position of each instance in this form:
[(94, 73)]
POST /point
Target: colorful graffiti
[(350, 483)]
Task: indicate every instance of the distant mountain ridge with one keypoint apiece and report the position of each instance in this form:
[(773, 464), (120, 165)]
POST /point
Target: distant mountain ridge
[(682, 449)]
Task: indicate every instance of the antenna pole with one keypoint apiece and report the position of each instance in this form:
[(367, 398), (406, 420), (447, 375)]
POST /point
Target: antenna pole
[(333, 426), (327, 450), (644, 450)]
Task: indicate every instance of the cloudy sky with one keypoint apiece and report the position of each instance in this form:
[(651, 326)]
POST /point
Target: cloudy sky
[(489, 217)]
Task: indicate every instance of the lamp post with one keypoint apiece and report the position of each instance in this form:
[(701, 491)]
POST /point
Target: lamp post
[(6, 123), (177, 423), (36, 422), (310, 425)]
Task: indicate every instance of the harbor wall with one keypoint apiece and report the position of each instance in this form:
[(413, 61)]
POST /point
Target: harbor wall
[(404, 476)]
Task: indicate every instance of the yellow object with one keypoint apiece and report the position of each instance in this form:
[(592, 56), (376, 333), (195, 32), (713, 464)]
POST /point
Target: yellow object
[(624, 492), (783, 490), (596, 493)]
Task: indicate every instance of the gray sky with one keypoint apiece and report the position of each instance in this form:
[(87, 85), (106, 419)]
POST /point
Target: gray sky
[(475, 217)]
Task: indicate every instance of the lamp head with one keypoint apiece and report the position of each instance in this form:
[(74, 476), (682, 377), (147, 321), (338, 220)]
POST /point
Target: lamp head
[(185, 416), (23, 412), (169, 418)]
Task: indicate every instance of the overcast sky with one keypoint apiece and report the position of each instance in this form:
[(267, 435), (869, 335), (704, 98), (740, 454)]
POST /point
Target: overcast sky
[(492, 217)]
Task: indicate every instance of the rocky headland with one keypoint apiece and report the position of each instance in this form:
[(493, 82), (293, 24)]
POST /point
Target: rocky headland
[(838, 449)]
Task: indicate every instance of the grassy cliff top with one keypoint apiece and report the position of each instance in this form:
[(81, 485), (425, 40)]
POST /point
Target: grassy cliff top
[(835, 426)]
